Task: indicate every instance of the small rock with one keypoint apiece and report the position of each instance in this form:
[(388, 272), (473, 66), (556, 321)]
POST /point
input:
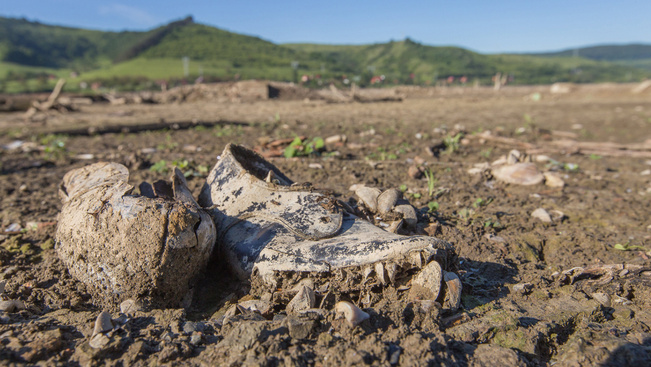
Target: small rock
[(542, 215), (427, 283), (303, 300), (99, 341), (103, 323), (13, 228), (541, 158), (408, 214), (414, 172), (315, 165), (454, 288), (353, 314), (11, 306), (523, 288), (369, 196), (519, 174), (646, 172), (130, 307), (190, 327), (23, 188), (257, 305), (85, 156), (623, 313), (299, 328), (553, 179), (513, 157), (602, 298), (195, 339), (2, 287), (387, 200), (335, 139), (493, 238)]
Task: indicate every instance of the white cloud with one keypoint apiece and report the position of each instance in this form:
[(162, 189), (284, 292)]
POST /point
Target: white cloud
[(137, 16)]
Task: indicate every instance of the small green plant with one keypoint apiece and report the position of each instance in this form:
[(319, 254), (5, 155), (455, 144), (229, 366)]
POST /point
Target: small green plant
[(300, 147), (571, 167), (160, 166), (628, 247), (416, 195), (465, 213), (595, 157), (431, 181), (479, 202), (168, 145), (452, 143), (403, 188), (433, 206), (492, 223), (55, 146), (486, 153)]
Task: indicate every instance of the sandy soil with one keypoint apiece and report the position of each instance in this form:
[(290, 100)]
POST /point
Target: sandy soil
[(576, 291)]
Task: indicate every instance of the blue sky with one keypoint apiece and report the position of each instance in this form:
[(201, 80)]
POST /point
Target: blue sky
[(484, 26)]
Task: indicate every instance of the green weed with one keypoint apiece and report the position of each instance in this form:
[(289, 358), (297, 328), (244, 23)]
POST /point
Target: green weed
[(431, 181), (452, 143), (298, 147), (433, 206)]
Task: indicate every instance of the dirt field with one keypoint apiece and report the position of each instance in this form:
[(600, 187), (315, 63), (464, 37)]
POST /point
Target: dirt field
[(573, 292)]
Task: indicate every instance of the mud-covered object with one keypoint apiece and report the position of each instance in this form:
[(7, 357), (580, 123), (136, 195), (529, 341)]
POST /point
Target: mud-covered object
[(276, 233), (126, 246)]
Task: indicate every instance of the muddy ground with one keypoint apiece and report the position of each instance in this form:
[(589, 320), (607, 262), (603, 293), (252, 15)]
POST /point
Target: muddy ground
[(574, 292)]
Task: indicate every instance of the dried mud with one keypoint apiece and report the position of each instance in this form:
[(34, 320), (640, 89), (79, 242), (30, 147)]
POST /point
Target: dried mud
[(574, 292)]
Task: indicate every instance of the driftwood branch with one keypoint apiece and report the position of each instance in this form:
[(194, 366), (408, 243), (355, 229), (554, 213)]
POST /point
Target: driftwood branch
[(569, 146)]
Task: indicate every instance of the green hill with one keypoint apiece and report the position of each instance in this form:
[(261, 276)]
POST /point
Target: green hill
[(634, 55), (32, 55)]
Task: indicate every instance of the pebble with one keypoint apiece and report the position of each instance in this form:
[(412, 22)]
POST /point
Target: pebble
[(103, 323), (299, 328), (513, 157), (13, 227), (84, 156), (387, 200), (99, 341), (353, 314), (11, 306), (303, 300), (335, 139), (454, 288), (427, 283), (315, 165), (542, 215), (195, 339), (493, 238), (646, 172), (130, 307), (523, 288), (519, 174), (541, 158), (369, 196), (408, 214), (602, 298), (414, 172), (553, 179)]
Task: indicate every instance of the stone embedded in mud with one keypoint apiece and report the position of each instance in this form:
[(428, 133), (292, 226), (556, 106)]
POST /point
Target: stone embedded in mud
[(387, 200), (427, 283), (453, 290), (542, 215), (369, 196), (123, 245), (353, 314), (553, 179), (304, 300), (130, 306), (103, 323), (519, 174), (11, 306)]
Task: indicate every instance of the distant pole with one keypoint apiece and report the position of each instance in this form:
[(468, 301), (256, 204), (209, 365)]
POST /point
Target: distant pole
[(295, 67), (186, 66)]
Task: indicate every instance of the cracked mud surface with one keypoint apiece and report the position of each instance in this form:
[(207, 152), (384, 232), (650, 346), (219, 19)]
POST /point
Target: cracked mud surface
[(533, 293)]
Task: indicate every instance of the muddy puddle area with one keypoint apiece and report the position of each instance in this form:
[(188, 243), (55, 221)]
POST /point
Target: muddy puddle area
[(573, 290)]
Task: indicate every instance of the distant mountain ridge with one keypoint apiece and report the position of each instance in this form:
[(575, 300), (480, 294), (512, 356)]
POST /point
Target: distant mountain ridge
[(28, 49)]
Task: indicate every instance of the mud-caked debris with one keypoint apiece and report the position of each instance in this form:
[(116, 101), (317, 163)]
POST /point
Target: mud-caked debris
[(427, 283), (453, 290), (123, 245), (130, 307)]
